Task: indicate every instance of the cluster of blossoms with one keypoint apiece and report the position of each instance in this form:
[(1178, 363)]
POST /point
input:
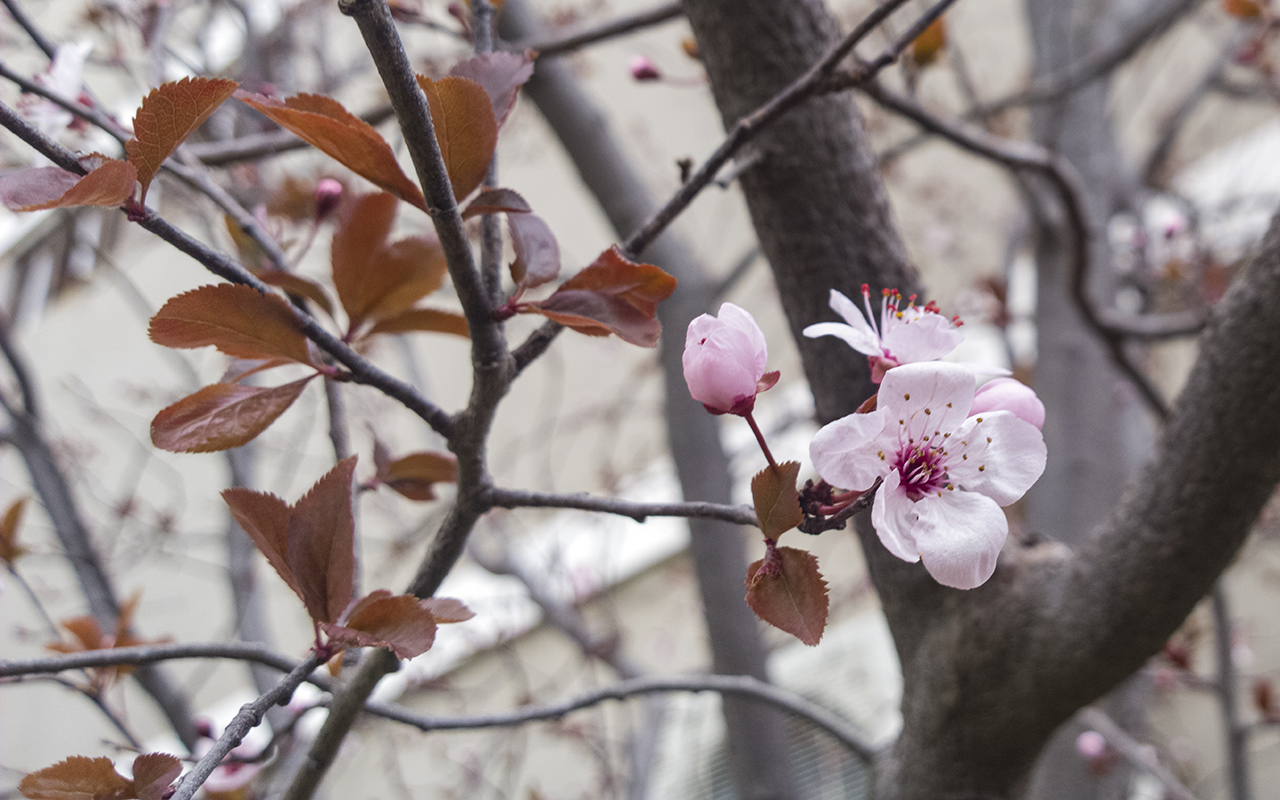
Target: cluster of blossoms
[(947, 455)]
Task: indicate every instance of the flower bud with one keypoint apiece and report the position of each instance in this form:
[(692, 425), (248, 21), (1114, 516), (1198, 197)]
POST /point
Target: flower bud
[(724, 361), (1007, 394), (328, 195), (642, 69)]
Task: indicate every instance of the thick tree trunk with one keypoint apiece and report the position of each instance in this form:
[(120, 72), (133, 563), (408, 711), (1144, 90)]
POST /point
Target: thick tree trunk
[(756, 734)]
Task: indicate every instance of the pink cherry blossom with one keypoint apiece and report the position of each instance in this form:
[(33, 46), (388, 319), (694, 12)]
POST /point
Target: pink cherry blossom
[(724, 361), (906, 334), (642, 69), (946, 473), (1007, 394)]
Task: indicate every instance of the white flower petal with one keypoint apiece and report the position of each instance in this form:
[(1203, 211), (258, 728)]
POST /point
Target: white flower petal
[(864, 342), (996, 454), (927, 399), (923, 337), (960, 535), (846, 454), (893, 516), (851, 314), (741, 320)]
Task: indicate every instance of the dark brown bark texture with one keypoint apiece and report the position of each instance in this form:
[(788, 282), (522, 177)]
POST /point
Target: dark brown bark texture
[(990, 673)]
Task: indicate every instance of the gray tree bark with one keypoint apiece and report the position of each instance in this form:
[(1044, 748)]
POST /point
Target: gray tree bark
[(756, 734), (989, 674)]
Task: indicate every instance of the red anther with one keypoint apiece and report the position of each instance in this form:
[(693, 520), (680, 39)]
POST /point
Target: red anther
[(866, 289)]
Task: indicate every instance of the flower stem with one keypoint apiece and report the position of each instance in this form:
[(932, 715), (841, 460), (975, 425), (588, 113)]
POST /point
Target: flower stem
[(760, 438)]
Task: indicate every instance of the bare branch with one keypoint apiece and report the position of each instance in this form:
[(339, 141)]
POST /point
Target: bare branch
[(37, 36), (1235, 732), (740, 685), (567, 43), (514, 498), (146, 654), (1134, 751)]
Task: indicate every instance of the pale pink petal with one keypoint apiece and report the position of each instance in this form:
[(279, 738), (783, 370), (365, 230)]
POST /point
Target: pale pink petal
[(960, 535), (715, 378), (1007, 394), (927, 399), (996, 454), (740, 320), (893, 516), (846, 452), (925, 337), (864, 342)]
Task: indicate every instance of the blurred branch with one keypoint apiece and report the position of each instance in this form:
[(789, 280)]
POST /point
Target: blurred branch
[(567, 43), (1235, 732), (1113, 328), (24, 22), (638, 511), (1141, 756)]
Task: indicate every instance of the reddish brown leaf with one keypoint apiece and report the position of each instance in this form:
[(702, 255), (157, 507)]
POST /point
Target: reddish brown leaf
[(167, 116), (598, 314), (238, 320), (241, 368), (791, 594), (399, 623), (427, 320), (9, 525), (776, 499), (537, 251), (87, 633), (501, 74), (77, 778), (324, 124), (375, 279), (1243, 9), (296, 284), (447, 609), (927, 46), (110, 184), (153, 773), (641, 285), (222, 416), (321, 550), (466, 129), (414, 475), (29, 187), (265, 518), (496, 201)]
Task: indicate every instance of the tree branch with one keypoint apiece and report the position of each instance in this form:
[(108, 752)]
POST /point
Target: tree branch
[(1134, 751), (568, 43), (638, 511)]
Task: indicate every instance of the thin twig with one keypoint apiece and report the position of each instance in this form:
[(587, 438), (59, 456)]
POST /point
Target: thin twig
[(638, 511), (568, 43), (24, 22), (246, 719), (1235, 732), (1138, 755)]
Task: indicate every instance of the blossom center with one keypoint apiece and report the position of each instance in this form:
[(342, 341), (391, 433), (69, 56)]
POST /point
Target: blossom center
[(923, 469)]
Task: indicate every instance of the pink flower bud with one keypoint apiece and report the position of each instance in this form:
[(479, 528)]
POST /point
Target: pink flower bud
[(1007, 394), (1091, 745), (724, 361), (642, 69), (328, 195)]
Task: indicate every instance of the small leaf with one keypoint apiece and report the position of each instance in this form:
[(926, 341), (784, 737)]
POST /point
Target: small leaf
[(447, 610), (614, 294), (153, 773), (399, 623), (222, 416), (776, 499), (501, 74), (1242, 9), (324, 124), (9, 526), (265, 518), (88, 636), (537, 251), (321, 552), (414, 475), (790, 593), (496, 201), (930, 42), (167, 116), (109, 185), (296, 284), (238, 320), (77, 778), (375, 279), (466, 129), (28, 187), (427, 320)]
